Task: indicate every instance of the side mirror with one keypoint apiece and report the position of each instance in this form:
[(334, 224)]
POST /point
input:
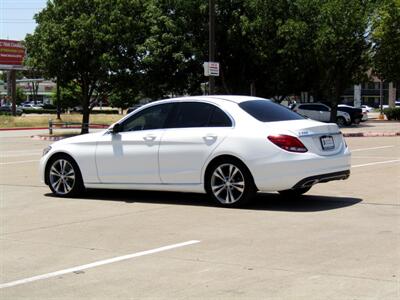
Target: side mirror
[(116, 128)]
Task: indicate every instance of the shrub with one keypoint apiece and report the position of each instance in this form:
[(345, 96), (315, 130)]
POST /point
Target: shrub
[(105, 111), (392, 113), (39, 111)]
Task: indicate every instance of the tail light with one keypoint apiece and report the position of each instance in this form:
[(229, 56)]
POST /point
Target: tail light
[(288, 143)]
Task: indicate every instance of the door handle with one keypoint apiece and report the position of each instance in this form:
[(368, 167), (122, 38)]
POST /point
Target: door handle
[(210, 137), (149, 138)]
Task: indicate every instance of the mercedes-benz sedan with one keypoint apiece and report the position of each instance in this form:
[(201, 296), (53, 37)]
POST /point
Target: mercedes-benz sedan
[(227, 146)]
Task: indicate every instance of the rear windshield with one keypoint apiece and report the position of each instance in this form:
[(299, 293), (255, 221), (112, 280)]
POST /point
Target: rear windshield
[(268, 111)]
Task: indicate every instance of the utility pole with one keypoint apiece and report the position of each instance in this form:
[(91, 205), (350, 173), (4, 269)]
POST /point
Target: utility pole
[(13, 92), (211, 44), (381, 116)]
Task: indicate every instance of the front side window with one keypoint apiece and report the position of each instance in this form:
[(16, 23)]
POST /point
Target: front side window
[(150, 118), (268, 111)]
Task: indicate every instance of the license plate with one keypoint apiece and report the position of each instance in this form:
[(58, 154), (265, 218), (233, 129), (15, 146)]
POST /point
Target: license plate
[(327, 142)]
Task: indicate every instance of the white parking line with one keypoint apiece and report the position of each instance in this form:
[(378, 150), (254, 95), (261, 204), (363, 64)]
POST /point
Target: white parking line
[(96, 264), (377, 163), (19, 162), (366, 149)]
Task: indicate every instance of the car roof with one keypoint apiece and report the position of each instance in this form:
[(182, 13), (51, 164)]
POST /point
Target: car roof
[(311, 103), (216, 98)]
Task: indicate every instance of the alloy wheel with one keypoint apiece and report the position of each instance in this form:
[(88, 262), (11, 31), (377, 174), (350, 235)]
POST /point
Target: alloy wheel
[(62, 176), (227, 183)]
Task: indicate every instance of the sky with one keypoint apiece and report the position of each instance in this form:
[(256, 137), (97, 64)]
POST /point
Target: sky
[(16, 17)]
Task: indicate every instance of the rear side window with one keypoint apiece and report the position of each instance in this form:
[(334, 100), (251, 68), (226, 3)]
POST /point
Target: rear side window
[(198, 114), (313, 107), (268, 111), (219, 119), (322, 108)]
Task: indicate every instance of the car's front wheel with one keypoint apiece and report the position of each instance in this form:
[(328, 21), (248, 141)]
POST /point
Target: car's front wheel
[(64, 177), (230, 183)]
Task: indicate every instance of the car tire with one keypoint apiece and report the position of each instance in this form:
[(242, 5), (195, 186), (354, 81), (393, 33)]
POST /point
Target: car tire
[(229, 183), (341, 121), (294, 192), (64, 177)]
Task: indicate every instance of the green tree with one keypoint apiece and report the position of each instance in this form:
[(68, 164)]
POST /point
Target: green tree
[(87, 42), (69, 96), (21, 97), (174, 47), (273, 39), (123, 98), (386, 41), (341, 48)]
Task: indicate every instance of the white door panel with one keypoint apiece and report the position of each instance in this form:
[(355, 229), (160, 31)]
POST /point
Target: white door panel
[(129, 157), (183, 152)]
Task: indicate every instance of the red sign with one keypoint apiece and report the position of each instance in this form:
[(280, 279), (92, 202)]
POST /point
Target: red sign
[(12, 53)]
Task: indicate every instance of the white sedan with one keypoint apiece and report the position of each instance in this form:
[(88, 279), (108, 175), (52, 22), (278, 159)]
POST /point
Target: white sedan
[(227, 146)]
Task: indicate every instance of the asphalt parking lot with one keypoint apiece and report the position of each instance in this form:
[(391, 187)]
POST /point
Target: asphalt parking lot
[(341, 240)]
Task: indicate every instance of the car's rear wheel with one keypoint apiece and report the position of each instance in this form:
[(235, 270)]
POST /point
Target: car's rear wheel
[(295, 192), (341, 121), (64, 177), (230, 183)]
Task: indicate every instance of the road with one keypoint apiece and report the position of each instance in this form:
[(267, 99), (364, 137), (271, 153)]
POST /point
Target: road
[(339, 241)]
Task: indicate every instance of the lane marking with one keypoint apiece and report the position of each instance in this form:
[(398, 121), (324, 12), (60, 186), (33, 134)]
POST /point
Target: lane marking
[(376, 157), (96, 264), (377, 163), (19, 162), (373, 148)]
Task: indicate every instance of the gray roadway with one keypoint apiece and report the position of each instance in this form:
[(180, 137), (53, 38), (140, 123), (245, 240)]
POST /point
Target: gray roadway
[(340, 241)]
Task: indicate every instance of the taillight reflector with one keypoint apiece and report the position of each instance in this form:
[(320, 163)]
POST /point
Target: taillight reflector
[(288, 143)]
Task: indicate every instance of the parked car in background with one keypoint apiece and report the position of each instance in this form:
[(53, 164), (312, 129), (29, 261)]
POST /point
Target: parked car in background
[(321, 112), (367, 108), (229, 147), (365, 115), (396, 104), (7, 110), (31, 106), (356, 114)]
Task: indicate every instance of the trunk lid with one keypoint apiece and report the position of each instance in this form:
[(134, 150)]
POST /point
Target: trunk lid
[(319, 138)]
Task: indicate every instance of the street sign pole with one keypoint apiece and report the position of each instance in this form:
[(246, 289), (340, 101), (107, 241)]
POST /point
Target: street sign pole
[(211, 44)]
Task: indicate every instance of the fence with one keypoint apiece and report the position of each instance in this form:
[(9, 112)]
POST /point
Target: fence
[(69, 125)]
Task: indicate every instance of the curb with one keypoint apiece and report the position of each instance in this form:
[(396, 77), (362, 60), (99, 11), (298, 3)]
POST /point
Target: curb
[(371, 134), (23, 128), (48, 138)]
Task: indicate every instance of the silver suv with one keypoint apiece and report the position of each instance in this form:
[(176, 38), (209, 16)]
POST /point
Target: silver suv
[(321, 112)]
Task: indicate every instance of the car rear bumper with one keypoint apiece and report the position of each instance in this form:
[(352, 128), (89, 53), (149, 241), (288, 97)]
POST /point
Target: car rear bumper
[(302, 169), (310, 181)]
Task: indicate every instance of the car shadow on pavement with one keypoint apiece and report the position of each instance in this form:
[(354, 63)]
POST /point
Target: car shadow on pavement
[(304, 203), (262, 201)]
